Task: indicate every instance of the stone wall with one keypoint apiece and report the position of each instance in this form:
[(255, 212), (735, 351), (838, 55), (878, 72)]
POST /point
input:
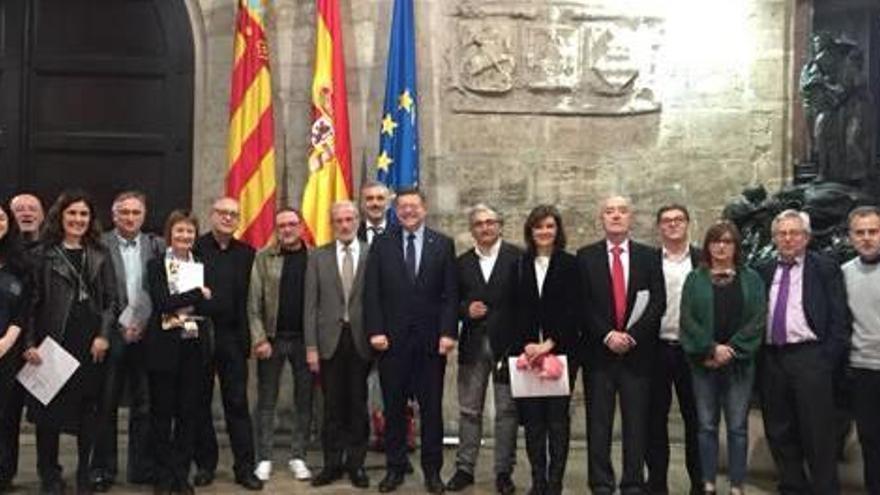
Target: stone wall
[(537, 101)]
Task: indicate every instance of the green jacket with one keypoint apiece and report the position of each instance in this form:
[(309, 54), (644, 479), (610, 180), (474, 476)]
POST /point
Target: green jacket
[(698, 316), (262, 304)]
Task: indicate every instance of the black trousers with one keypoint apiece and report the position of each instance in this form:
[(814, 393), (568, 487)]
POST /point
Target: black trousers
[(48, 438), (346, 429), (10, 426), (547, 428), (230, 366), (125, 370), (605, 383), (798, 411), (407, 369), (866, 402), (671, 370), (174, 402)]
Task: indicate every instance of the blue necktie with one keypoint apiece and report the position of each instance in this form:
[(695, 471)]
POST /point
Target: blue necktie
[(410, 257)]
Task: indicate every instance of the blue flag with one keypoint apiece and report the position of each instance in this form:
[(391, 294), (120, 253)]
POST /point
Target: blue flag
[(398, 162)]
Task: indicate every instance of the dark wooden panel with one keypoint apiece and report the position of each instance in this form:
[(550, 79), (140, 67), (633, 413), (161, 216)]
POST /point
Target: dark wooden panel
[(12, 22), (109, 96)]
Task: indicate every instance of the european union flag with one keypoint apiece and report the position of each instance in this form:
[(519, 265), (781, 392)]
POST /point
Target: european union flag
[(398, 161)]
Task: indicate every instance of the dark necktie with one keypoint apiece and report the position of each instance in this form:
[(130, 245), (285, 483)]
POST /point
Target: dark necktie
[(777, 330), (410, 257)]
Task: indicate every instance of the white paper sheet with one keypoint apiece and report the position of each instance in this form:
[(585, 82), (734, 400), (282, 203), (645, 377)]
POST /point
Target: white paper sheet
[(190, 275), (137, 312), (526, 383), (45, 381), (639, 306)]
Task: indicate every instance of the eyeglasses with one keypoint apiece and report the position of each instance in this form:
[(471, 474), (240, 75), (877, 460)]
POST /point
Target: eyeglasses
[(673, 220), (723, 240), (485, 223), (226, 213)]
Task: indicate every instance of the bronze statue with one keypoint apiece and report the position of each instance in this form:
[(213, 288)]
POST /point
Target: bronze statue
[(839, 108)]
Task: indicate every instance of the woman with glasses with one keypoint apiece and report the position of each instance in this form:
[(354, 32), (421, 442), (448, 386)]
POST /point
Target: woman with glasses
[(74, 303), (723, 313)]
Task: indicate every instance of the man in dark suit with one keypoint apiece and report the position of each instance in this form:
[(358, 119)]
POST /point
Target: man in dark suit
[(677, 258), (130, 250), (337, 346), (806, 342), (375, 197), (624, 302), (228, 264), (484, 285), (411, 314)]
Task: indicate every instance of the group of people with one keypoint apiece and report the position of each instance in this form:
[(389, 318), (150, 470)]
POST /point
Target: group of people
[(639, 322)]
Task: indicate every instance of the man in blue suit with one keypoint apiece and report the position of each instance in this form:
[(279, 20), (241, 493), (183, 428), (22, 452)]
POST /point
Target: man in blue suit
[(806, 342), (411, 302)]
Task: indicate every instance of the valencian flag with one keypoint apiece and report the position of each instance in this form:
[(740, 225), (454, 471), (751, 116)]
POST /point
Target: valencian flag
[(398, 161), (251, 175), (330, 151)]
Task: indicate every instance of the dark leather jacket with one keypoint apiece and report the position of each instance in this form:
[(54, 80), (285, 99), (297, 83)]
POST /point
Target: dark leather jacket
[(55, 287)]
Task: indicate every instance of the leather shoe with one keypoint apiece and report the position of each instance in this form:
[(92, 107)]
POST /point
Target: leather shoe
[(391, 481), (101, 484), (203, 478), (433, 484), (249, 481), (326, 476), (359, 478), (504, 484), (459, 481)]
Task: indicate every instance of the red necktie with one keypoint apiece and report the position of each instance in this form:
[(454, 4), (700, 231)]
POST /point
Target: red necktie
[(618, 282)]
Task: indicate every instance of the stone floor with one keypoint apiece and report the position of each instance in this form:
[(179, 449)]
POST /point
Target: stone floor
[(760, 482)]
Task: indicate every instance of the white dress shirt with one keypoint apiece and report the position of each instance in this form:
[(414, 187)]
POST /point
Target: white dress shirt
[(340, 254), (371, 233), (675, 271), (488, 259)]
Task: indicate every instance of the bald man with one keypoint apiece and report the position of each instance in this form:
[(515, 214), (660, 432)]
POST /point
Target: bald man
[(228, 264), (28, 212), (621, 343)]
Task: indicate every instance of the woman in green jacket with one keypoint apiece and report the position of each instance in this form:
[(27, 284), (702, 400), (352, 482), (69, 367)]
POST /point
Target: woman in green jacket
[(723, 316)]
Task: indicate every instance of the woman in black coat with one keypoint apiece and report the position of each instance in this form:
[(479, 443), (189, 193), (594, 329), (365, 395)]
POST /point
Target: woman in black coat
[(14, 287), (74, 303), (545, 297), (178, 345)]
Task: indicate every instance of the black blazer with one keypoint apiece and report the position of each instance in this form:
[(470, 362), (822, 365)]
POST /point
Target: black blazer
[(645, 273), (163, 346), (554, 311), (824, 301), (494, 293), (399, 307), (207, 249)]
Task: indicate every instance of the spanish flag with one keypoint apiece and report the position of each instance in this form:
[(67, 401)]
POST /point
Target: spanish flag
[(330, 147), (251, 174)]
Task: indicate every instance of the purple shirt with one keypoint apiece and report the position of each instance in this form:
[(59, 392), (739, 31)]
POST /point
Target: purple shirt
[(797, 329)]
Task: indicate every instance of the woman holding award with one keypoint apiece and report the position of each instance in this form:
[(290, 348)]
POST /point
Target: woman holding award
[(178, 344), (74, 304), (545, 285)]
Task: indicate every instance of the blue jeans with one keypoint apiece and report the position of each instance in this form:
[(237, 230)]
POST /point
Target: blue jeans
[(729, 389)]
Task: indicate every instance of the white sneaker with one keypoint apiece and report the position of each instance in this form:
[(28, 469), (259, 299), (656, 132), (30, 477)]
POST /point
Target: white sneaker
[(263, 471), (299, 469)]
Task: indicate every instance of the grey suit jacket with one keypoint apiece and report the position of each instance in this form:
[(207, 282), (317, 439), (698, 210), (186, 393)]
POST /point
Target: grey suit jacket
[(151, 246), (324, 306)]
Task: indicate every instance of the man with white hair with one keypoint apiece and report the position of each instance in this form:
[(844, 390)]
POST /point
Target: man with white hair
[(806, 340), (337, 346), (28, 212)]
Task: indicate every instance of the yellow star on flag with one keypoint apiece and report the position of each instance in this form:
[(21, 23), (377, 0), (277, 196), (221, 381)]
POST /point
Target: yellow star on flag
[(384, 161), (388, 125), (405, 101)]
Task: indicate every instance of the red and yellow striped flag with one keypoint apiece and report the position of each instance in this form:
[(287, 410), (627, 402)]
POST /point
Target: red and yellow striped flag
[(251, 174), (330, 151)]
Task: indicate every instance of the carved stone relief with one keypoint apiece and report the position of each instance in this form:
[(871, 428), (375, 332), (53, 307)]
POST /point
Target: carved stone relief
[(558, 58)]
